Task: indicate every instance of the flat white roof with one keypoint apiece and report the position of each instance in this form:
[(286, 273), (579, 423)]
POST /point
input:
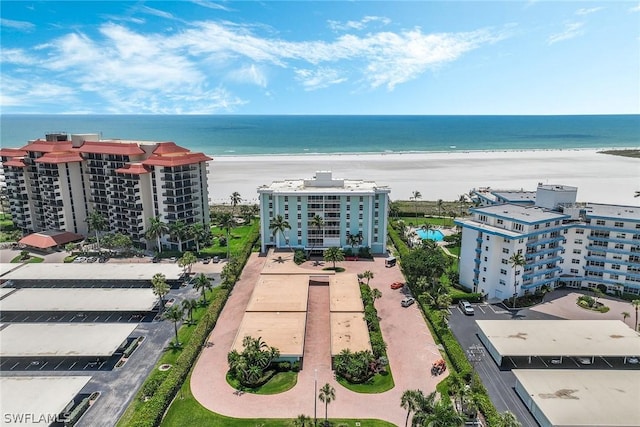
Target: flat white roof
[(79, 299), (344, 293), (584, 397), (613, 211), (5, 291), (42, 398), (526, 214), (349, 331), (282, 330), (92, 271), (280, 293), (63, 339), (323, 182), (561, 337)]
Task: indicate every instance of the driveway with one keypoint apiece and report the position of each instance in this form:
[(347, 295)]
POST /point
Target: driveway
[(411, 351)]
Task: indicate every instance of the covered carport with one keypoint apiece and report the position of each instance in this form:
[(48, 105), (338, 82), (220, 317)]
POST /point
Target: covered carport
[(574, 398), (84, 304), (560, 343)]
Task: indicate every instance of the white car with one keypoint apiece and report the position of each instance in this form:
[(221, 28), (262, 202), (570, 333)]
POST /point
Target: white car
[(466, 307)]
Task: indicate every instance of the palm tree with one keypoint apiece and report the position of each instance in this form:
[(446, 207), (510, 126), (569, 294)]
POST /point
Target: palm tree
[(424, 406), (368, 274), (160, 287), (175, 315), (354, 240), (186, 262), (198, 233), (227, 222), (625, 316), (333, 254), (326, 396), (302, 421), (279, 225), (444, 415), (316, 222), (235, 201), (376, 294), (439, 205), (408, 402), (177, 231), (636, 304), (189, 305), (415, 196), (156, 230), (507, 419), (97, 223), (516, 260), (202, 284)]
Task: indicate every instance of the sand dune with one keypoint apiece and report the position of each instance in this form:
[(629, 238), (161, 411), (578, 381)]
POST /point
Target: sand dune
[(600, 178)]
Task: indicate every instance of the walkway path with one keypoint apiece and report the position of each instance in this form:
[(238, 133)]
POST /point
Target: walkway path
[(411, 352)]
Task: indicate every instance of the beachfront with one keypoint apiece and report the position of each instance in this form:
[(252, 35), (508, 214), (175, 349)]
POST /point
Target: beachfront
[(600, 178)]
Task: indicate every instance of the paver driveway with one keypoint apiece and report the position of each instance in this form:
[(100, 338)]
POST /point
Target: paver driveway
[(411, 352)]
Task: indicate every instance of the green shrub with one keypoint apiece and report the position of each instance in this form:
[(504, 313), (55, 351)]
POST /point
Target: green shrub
[(295, 366), (299, 256), (152, 383), (77, 412), (603, 309)]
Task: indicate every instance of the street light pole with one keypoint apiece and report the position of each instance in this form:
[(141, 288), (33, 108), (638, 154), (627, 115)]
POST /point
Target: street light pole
[(315, 397)]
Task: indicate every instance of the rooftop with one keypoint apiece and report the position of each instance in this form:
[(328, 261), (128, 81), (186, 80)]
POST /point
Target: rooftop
[(516, 195), (349, 331), (282, 330), (584, 398), (71, 271), (561, 337), (49, 238), (280, 293), (323, 182), (524, 214), (40, 397), (63, 339), (79, 299), (344, 293), (613, 211)]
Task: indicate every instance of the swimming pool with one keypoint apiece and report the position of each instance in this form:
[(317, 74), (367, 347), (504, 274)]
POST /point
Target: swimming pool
[(435, 235)]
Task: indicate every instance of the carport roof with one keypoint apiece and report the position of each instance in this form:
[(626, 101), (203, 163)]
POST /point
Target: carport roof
[(561, 337), (91, 271), (79, 299), (349, 331), (63, 339), (41, 397), (344, 293), (5, 291), (280, 293), (282, 330), (584, 398)]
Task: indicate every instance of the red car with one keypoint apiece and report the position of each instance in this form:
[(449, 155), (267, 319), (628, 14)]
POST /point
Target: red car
[(397, 285)]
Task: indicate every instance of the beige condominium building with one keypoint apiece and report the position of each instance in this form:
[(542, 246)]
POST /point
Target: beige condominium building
[(57, 182)]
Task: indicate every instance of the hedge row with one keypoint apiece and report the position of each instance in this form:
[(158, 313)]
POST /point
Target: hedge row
[(150, 413)]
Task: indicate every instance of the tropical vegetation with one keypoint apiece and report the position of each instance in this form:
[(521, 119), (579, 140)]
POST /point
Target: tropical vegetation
[(250, 366)]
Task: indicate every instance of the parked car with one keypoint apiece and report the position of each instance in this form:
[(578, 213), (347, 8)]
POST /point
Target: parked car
[(397, 285), (466, 307), (216, 259), (407, 302), (207, 260)]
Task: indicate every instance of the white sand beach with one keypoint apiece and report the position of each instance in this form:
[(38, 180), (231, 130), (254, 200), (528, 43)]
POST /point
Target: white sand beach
[(600, 178)]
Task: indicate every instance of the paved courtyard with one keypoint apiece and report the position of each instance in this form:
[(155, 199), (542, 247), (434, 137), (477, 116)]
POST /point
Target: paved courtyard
[(411, 351)]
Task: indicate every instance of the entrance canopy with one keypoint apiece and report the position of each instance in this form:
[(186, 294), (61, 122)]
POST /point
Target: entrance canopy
[(50, 239)]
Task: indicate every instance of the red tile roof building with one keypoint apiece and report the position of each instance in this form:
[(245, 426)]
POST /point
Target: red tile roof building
[(56, 182)]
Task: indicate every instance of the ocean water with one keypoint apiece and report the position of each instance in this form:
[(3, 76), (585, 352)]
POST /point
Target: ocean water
[(222, 135)]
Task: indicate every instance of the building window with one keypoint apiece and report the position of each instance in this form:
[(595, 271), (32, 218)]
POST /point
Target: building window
[(619, 246), (502, 282), (485, 259), (518, 227), (484, 279), (482, 218), (499, 221), (600, 222), (575, 261), (487, 238), (503, 271), (578, 241), (615, 267), (574, 271), (577, 251), (536, 227), (504, 261), (618, 224), (613, 276), (621, 236), (505, 250)]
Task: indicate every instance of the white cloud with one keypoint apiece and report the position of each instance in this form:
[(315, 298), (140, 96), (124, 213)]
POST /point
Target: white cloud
[(211, 5), (318, 79), (635, 8), (17, 25), (156, 12), (251, 74), (357, 25), (588, 11), (571, 30), (17, 57)]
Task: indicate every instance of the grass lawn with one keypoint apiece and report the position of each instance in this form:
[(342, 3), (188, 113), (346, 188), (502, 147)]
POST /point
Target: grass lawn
[(237, 237), (446, 222), (378, 384), (32, 259), (186, 411), (279, 383), (455, 250)]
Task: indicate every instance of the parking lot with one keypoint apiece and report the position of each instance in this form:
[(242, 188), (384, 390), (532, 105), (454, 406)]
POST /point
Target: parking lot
[(67, 317), (500, 383)]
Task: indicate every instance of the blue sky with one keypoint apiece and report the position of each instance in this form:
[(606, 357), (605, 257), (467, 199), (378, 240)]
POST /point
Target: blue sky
[(342, 57)]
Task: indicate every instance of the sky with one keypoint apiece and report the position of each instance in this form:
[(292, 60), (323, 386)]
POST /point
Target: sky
[(327, 57)]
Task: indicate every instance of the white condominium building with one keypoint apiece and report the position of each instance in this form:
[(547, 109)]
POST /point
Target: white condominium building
[(55, 183), (564, 243), (347, 208)]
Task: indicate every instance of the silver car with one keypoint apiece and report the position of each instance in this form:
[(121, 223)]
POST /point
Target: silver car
[(466, 307)]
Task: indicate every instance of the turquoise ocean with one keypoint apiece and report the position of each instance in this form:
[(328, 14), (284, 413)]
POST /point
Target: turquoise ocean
[(244, 135)]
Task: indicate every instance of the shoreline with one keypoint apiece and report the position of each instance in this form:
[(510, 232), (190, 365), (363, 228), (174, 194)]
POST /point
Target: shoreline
[(600, 178)]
